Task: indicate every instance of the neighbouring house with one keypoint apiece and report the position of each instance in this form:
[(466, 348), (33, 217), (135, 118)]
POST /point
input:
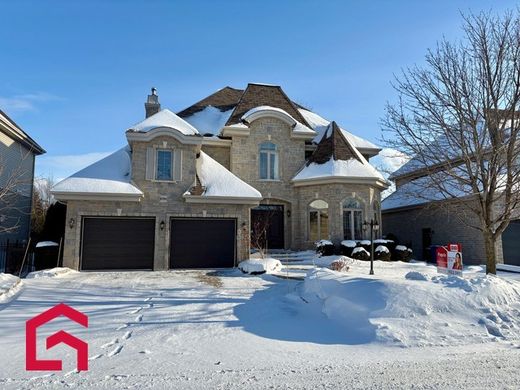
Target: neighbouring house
[(189, 190), (17, 156), (421, 217)]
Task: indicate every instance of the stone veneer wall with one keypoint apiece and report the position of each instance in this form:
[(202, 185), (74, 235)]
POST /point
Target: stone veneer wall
[(218, 153), (334, 195), (162, 200), (245, 162)]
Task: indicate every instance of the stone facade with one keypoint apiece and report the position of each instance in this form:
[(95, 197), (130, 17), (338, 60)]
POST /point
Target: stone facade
[(164, 200)]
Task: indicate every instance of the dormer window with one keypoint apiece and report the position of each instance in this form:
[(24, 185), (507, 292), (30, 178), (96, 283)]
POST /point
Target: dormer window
[(268, 161), (164, 165)]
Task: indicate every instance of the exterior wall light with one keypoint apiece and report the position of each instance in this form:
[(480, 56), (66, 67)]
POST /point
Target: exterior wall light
[(161, 225), (72, 222)]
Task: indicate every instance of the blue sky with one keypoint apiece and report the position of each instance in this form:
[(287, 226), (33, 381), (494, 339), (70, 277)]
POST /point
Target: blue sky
[(75, 74)]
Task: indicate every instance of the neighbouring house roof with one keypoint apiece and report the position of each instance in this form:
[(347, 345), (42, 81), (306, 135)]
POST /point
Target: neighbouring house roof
[(8, 126), (336, 158), (109, 178), (215, 183), (165, 119)]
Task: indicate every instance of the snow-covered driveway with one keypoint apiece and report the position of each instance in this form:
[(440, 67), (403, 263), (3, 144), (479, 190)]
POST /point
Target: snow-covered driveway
[(178, 330)]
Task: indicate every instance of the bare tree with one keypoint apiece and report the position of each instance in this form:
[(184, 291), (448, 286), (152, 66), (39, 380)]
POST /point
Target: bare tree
[(15, 182), (458, 116), (259, 239)]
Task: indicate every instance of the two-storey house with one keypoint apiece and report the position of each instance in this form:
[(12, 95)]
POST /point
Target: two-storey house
[(190, 188)]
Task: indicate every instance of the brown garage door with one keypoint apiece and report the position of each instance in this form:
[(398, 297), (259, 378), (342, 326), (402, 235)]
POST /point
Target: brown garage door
[(202, 243), (117, 243)]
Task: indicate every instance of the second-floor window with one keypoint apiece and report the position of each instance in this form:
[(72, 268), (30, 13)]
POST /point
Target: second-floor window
[(164, 165), (268, 161)]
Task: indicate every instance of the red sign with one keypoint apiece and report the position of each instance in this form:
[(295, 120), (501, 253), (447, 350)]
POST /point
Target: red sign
[(449, 259), (442, 257), (32, 363)]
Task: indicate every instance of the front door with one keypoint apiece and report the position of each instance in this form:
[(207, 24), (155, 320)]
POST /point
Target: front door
[(267, 226)]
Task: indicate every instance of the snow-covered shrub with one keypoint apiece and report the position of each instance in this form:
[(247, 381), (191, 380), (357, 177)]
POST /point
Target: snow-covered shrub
[(360, 253), (366, 244), (347, 246), (402, 253), (342, 264), (324, 247), (260, 266), (382, 253)]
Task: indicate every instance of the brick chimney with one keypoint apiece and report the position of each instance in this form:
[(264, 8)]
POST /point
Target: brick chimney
[(152, 105)]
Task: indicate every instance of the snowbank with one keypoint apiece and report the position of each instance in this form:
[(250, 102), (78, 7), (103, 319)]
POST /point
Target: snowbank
[(9, 286), (411, 305), (260, 266), (50, 273)]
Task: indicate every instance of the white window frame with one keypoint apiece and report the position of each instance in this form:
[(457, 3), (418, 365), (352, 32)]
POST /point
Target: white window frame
[(351, 211), (156, 166), (269, 153), (319, 212)]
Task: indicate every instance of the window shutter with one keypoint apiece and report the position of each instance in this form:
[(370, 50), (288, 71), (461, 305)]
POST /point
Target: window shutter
[(150, 163), (177, 165)]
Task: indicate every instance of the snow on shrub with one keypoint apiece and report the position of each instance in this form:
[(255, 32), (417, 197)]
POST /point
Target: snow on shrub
[(360, 254), (9, 286), (349, 243), (342, 264), (402, 253), (347, 246), (382, 253), (324, 247), (260, 266), (366, 242), (50, 273)]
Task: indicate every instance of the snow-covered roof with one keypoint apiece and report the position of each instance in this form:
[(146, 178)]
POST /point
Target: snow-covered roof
[(338, 168), (217, 182), (210, 120), (256, 112), (421, 191), (108, 177), (165, 118), (319, 124), (335, 157)]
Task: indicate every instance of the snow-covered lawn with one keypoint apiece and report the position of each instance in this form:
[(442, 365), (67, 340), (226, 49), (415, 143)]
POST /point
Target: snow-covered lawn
[(201, 329)]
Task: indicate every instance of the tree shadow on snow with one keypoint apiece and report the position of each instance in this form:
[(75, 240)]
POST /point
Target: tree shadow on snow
[(280, 312)]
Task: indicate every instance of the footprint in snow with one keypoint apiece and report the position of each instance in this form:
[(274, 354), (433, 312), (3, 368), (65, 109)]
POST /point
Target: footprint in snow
[(95, 357), (122, 327), (139, 318), (110, 343), (135, 311), (127, 335), (146, 352), (150, 305), (116, 351), (148, 299)]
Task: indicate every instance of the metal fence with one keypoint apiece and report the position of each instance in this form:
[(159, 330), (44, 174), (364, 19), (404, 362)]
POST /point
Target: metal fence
[(16, 258)]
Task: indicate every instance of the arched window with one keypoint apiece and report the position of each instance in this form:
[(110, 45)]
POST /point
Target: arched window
[(268, 161), (318, 220), (352, 219)]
